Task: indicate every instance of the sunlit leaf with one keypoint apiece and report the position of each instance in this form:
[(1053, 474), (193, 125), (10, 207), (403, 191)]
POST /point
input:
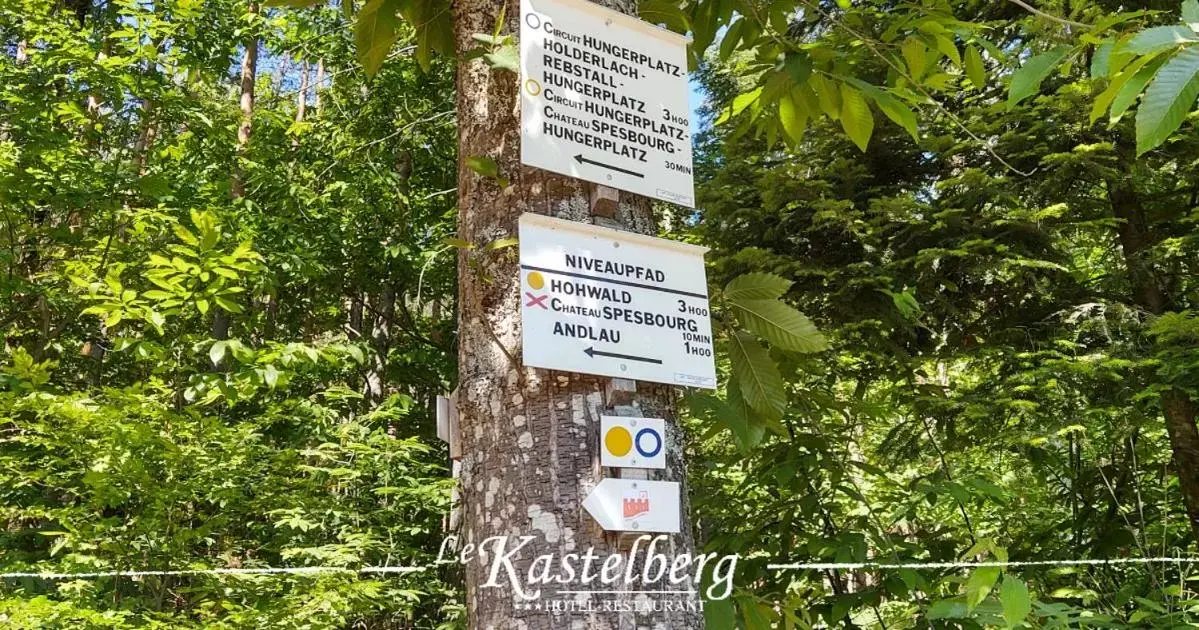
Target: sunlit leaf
[(856, 118), (1168, 99), (1026, 81), (757, 375)]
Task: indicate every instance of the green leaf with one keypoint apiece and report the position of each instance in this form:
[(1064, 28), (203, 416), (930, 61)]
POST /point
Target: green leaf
[(793, 118), (856, 118), (756, 615), (1027, 80), (828, 96), (1013, 594), (756, 286), (975, 68), (292, 4), (1104, 100), (216, 353), (1132, 88), (506, 57), (728, 43), (799, 66), (374, 34), (952, 608), (1168, 99), (270, 376), (783, 326), (665, 12), (483, 165), (892, 108), (747, 426), (1159, 38), (1190, 14), (1101, 60), (719, 613), (431, 19), (757, 375), (947, 47), (979, 585), (915, 54), (227, 304), (739, 104), (185, 235)]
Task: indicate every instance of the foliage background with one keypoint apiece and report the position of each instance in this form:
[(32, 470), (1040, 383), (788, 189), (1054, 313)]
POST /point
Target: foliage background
[(223, 352)]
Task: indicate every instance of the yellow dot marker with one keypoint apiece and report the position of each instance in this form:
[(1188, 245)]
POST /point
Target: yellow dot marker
[(535, 280), (618, 441), (532, 87)]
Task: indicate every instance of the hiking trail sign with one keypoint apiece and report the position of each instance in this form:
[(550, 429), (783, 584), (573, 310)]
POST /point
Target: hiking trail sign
[(628, 442), (604, 98), (612, 303), (635, 505)]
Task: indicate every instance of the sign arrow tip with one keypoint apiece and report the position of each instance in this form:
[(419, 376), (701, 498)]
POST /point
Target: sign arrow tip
[(579, 158), (590, 352)]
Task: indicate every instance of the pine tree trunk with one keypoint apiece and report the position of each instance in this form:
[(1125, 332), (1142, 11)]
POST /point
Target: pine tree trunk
[(530, 437)]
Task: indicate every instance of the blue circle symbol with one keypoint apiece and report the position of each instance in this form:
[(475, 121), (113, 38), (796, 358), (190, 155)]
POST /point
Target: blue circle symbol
[(657, 442)]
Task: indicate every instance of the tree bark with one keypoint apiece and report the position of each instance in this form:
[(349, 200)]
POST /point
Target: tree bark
[(384, 309), (249, 73), (530, 437), (1177, 407)]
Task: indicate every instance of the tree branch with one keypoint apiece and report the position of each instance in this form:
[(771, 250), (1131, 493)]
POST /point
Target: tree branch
[(1053, 18)]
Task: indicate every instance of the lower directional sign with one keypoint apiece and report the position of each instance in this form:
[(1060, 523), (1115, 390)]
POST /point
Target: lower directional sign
[(635, 505), (602, 301)]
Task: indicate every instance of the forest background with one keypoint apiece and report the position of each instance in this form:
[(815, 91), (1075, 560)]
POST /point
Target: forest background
[(228, 241)]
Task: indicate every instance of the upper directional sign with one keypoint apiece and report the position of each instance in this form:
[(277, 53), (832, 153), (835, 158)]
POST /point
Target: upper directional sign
[(602, 301), (604, 97)]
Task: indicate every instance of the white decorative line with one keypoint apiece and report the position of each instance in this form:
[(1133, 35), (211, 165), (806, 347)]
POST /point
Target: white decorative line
[(881, 566), (182, 572)]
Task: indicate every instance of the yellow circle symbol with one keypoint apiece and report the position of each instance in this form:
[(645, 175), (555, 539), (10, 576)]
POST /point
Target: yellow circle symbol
[(532, 87), (536, 281), (618, 441)]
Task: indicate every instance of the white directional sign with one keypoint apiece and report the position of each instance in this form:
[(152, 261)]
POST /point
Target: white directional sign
[(601, 301), (632, 442), (604, 97), (635, 505)]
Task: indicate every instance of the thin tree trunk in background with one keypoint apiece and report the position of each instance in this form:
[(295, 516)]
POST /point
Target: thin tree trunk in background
[(249, 72), (302, 99), (320, 84), (281, 69), (1177, 407), (384, 309), (530, 437)]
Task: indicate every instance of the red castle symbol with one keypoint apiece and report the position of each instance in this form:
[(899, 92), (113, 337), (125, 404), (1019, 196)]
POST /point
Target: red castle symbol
[(634, 507)]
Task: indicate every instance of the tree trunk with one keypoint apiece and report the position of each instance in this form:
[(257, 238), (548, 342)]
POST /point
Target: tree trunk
[(1177, 407), (530, 437), (383, 309), (249, 71), (1184, 440), (320, 84)]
